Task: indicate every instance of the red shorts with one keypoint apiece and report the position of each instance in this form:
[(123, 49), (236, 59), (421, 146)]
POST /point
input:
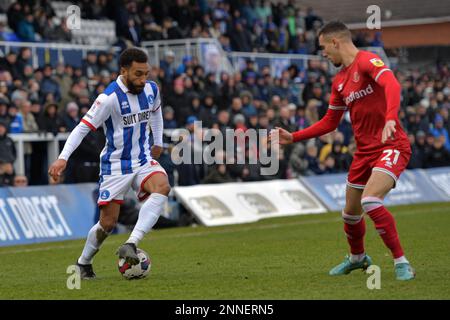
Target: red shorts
[(390, 161)]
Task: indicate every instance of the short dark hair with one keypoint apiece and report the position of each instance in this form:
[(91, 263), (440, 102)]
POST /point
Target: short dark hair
[(333, 27), (132, 54)]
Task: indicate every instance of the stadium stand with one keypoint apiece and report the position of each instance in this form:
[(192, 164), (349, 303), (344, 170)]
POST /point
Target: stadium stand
[(98, 32), (47, 90)]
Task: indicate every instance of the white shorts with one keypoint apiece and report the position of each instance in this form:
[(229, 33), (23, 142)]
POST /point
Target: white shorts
[(113, 188)]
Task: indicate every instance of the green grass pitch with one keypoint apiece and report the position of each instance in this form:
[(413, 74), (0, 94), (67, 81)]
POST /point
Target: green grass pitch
[(282, 258)]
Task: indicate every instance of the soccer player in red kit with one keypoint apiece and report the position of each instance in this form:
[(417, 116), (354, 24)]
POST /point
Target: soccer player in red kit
[(368, 89)]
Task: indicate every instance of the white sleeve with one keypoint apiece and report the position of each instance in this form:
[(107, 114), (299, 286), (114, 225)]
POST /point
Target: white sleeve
[(76, 136), (157, 125), (156, 119), (99, 112), (157, 104)]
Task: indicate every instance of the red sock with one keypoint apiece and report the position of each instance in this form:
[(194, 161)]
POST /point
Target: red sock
[(385, 225), (355, 229)]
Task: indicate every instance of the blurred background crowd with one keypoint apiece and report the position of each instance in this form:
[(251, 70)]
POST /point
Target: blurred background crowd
[(239, 25), (53, 98)]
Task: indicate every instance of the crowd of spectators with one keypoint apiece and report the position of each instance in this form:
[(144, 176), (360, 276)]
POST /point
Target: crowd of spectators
[(249, 25), (53, 99), (239, 25), (32, 21), (257, 100)]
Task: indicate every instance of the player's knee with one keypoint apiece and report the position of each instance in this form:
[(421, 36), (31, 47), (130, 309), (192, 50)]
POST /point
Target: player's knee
[(162, 188), (370, 203), (353, 209), (373, 193), (108, 224)]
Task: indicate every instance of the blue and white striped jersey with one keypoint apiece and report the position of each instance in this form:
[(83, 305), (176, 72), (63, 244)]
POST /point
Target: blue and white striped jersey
[(126, 119)]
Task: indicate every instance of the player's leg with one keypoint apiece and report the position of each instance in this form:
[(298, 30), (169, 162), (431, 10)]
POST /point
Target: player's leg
[(112, 189), (380, 183), (158, 187), (109, 213), (355, 229), (155, 188), (354, 224)]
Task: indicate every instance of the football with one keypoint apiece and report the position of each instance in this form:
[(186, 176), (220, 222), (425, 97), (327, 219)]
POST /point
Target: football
[(137, 271)]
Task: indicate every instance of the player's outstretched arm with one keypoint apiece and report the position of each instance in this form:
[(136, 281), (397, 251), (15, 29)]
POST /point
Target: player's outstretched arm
[(97, 114), (327, 124), (284, 136)]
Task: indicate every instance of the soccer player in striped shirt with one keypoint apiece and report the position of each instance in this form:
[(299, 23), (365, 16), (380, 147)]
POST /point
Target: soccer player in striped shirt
[(127, 109), (368, 89)]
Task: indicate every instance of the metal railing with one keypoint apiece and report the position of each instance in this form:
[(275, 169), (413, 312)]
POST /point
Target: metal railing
[(52, 146)]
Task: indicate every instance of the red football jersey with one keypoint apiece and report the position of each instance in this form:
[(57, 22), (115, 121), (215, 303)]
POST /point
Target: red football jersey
[(355, 88)]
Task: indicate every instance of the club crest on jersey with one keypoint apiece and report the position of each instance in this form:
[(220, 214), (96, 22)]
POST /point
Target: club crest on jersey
[(356, 77), (104, 194), (377, 62), (150, 99)]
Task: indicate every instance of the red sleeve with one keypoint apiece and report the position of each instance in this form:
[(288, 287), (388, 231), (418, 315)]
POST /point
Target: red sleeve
[(327, 124), (392, 92), (372, 65)]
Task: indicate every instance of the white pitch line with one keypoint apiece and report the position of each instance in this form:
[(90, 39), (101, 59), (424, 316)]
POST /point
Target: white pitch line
[(212, 232)]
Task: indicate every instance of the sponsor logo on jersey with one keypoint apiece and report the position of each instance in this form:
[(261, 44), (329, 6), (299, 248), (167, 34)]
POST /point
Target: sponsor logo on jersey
[(150, 99), (356, 77), (134, 118), (340, 86), (124, 104), (355, 95), (377, 62)]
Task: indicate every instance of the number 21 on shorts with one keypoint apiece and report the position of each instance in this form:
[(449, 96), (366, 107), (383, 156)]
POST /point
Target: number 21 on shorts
[(388, 154)]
